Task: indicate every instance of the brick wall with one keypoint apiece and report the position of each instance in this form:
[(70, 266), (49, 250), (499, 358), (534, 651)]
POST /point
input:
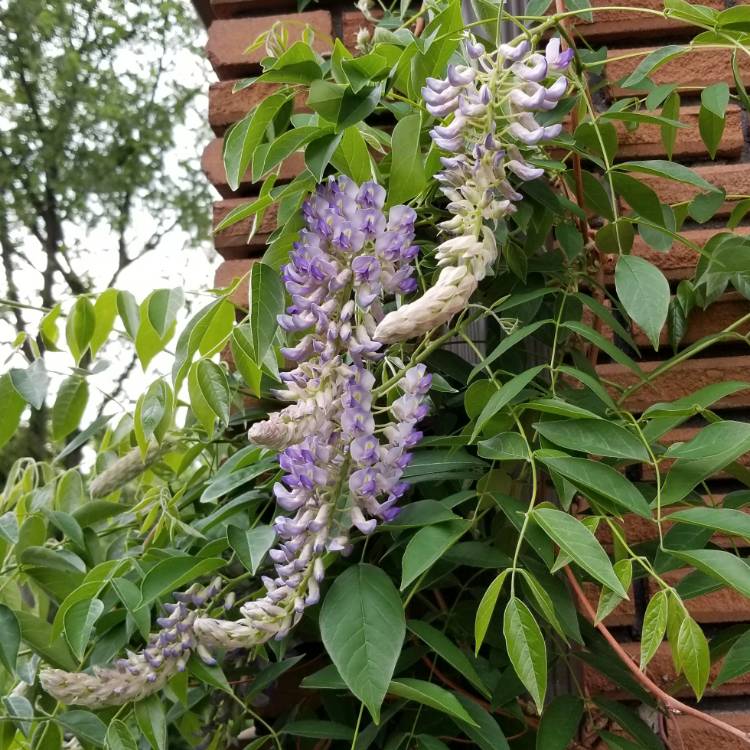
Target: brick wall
[(236, 23)]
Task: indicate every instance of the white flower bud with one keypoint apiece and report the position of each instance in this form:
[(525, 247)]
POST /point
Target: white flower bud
[(436, 306)]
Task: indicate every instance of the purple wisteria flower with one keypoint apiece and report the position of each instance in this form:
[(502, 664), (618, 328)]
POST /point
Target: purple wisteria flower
[(491, 128), (348, 256), (488, 132), (342, 465), (143, 673), (380, 466)]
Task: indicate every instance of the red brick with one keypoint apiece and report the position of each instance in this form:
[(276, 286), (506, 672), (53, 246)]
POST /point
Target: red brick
[(694, 70), (233, 8), (681, 380), (734, 178), (645, 141), (690, 733), (677, 263), (213, 168), (226, 106), (661, 671), (630, 24), (232, 242), (228, 272), (716, 317), (228, 39), (351, 22), (724, 605)]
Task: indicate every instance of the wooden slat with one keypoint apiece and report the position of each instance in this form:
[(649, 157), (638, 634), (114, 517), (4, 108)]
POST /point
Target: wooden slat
[(226, 106), (645, 142), (213, 168), (677, 263), (699, 68), (233, 242)]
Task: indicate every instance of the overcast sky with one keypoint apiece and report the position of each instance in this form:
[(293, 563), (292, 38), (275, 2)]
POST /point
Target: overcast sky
[(173, 263)]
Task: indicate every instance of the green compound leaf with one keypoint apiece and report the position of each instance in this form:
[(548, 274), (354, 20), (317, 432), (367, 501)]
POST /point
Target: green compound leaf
[(580, 544)]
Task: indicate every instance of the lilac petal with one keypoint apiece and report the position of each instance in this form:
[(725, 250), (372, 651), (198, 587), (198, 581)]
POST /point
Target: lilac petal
[(525, 171), (533, 69), (470, 108), (529, 137), (515, 53), (447, 144), (438, 85), (474, 49), (460, 75), (557, 89), (525, 100), (452, 130), (552, 50), (443, 110), (434, 98), (565, 59)]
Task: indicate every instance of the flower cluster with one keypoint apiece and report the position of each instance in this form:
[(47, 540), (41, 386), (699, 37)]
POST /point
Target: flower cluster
[(346, 455), (378, 467), (349, 254), (490, 131), (342, 469), (145, 672)]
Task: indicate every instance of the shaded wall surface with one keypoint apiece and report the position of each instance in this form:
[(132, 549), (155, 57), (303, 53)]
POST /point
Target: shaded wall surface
[(234, 24)]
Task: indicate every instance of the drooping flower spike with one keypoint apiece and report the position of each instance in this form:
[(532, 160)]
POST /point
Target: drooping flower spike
[(342, 468), (143, 673), (489, 131)]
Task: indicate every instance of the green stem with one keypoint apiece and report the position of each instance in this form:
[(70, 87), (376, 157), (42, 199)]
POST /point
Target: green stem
[(642, 561), (417, 358), (356, 728), (699, 346), (553, 355), (655, 464), (532, 502)]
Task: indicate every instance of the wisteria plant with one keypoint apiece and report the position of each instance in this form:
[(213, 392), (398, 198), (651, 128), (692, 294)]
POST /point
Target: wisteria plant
[(395, 501)]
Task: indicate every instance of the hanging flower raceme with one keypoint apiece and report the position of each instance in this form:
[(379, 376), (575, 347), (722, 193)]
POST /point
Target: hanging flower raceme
[(342, 468), (145, 672), (490, 131)]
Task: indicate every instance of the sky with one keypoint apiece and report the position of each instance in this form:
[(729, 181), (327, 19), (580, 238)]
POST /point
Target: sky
[(175, 262)]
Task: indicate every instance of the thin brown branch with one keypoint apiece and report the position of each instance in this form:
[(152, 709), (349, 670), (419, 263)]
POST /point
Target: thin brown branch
[(420, 24), (7, 252), (118, 384), (671, 705), (151, 244)]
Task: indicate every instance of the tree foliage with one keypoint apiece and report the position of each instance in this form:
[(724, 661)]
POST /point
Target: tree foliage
[(90, 100)]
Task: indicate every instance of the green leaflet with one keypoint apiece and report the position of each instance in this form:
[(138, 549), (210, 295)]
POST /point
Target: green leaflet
[(362, 626)]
